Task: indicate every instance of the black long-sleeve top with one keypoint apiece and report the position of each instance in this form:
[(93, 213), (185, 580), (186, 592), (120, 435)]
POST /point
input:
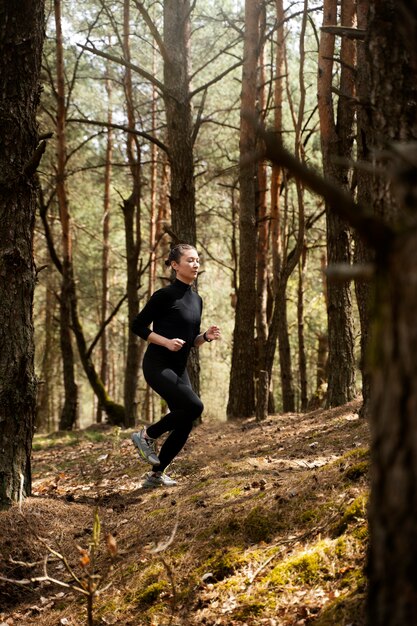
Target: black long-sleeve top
[(175, 312)]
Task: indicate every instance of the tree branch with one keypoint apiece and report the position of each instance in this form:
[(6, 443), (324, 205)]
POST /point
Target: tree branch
[(154, 31), (126, 129), (103, 326), (120, 61), (216, 79), (345, 31), (377, 234)]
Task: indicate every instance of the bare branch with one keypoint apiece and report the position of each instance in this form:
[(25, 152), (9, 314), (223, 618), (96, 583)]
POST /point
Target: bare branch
[(120, 61), (345, 31), (216, 79), (376, 232), (126, 129), (151, 25), (104, 325)]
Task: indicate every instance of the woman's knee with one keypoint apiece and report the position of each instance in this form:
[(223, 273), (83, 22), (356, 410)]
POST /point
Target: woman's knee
[(197, 408)]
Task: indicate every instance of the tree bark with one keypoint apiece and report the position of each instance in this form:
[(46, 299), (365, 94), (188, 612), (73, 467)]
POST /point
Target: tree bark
[(393, 345), (241, 389), (177, 99), (21, 41), (363, 253), (105, 255), (133, 237), (336, 141), (179, 121), (69, 412)]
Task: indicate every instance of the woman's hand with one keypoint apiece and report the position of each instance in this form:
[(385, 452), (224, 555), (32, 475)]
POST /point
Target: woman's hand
[(174, 344), (213, 332)]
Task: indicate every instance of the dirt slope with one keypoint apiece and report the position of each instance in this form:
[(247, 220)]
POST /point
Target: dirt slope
[(266, 526)]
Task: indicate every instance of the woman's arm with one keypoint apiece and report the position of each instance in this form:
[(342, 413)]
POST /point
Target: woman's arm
[(212, 333), (171, 344)]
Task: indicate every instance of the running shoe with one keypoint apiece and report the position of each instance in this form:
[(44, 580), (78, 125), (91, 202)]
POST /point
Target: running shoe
[(145, 447), (158, 479)]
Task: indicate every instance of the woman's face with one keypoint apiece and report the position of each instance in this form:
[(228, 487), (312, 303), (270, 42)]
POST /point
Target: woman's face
[(187, 267)]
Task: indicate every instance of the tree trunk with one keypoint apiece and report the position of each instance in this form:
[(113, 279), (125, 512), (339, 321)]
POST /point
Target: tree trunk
[(276, 182), (44, 414), (393, 346), (69, 413), (179, 121), (177, 99), (133, 237), (336, 141), (262, 222), (241, 390), (363, 253), (105, 255), (302, 359), (21, 41)]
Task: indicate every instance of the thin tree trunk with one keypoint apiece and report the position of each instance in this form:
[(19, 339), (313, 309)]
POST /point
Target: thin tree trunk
[(302, 359), (276, 182), (262, 238), (131, 213), (363, 254), (105, 257), (21, 41), (69, 413), (241, 390)]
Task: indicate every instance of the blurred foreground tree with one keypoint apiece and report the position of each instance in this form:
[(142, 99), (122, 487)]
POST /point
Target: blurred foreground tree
[(390, 228)]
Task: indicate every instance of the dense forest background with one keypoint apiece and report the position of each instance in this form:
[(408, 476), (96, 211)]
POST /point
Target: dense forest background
[(91, 98)]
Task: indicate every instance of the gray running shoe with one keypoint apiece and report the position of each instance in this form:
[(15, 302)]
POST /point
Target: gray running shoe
[(145, 447), (158, 479)]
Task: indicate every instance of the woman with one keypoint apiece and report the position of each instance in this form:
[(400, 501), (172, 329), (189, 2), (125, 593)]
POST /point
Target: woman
[(176, 314)]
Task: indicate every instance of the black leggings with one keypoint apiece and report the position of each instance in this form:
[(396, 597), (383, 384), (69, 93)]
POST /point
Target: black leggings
[(184, 406)]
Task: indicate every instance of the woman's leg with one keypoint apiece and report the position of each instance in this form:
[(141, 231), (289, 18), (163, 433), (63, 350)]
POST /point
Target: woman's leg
[(185, 407)]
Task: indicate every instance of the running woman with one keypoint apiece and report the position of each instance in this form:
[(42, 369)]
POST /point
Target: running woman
[(176, 314)]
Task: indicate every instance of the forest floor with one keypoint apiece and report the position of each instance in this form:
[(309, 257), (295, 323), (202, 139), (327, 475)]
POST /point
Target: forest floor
[(267, 526)]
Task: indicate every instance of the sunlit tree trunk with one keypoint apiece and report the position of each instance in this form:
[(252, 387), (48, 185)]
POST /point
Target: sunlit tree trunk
[(336, 141), (69, 411), (105, 256), (177, 98), (178, 114), (363, 254), (302, 358), (241, 401), (45, 416), (276, 182), (21, 41), (133, 237), (262, 382)]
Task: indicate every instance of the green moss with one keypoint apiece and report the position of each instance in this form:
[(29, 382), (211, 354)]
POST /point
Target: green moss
[(355, 472), (222, 564), (349, 609), (354, 512), (302, 568), (258, 525), (233, 493), (151, 593), (248, 609), (309, 515), (311, 567)]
